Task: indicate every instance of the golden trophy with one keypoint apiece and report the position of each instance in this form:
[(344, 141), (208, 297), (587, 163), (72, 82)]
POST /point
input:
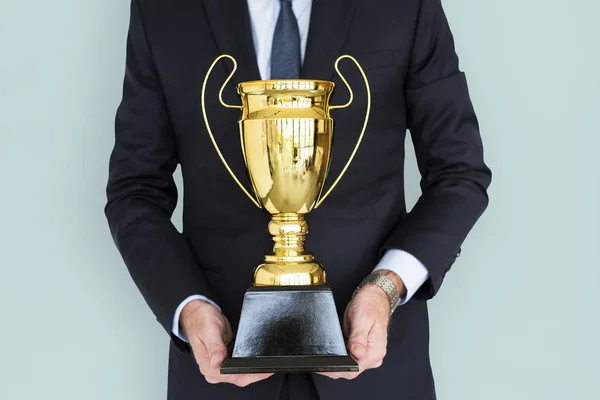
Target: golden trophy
[(288, 321)]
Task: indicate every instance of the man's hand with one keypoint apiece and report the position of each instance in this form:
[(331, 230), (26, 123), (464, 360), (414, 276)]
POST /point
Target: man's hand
[(209, 334), (365, 325)]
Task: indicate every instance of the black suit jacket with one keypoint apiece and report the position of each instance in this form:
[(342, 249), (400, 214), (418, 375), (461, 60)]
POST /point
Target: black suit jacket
[(407, 51)]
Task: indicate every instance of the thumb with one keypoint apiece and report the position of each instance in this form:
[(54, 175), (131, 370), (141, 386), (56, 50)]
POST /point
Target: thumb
[(357, 341), (216, 351)]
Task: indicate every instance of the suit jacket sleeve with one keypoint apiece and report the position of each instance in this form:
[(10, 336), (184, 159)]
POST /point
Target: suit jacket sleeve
[(448, 147), (141, 191)]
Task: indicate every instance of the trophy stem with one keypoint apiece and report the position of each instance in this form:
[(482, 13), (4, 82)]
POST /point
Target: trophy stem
[(289, 231), (290, 264)]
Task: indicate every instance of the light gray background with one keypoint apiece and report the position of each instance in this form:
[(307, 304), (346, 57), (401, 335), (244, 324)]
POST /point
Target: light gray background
[(518, 317)]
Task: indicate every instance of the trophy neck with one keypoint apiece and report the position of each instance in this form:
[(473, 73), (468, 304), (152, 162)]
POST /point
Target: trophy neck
[(290, 264), (289, 231)]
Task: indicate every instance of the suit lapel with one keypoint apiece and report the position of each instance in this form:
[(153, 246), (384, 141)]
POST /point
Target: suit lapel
[(230, 23), (329, 22)]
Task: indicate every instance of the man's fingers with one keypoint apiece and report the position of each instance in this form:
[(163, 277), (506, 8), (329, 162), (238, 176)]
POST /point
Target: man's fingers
[(238, 380), (248, 379), (227, 333), (217, 351), (202, 358), (358, 339), (376, 346), (209, 336), (217, 355), (346, 320), (340, 375), (200, 352), (364, 325)]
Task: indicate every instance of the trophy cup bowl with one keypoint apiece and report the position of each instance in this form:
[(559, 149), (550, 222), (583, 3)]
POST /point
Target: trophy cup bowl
[(288, 321)]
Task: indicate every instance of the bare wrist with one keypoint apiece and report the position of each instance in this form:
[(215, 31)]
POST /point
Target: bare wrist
[(373, 290), (192, 309)]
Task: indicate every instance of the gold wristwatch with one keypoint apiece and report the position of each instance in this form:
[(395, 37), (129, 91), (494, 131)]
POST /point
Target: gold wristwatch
[(386, 284)]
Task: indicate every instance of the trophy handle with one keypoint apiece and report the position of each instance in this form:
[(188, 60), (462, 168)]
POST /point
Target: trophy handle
[(212, 138), (368, 112)]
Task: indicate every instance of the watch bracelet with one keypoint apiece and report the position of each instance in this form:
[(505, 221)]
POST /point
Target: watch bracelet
[(385, 284)]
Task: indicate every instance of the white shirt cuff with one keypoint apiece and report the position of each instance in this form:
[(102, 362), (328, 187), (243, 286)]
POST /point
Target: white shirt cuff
[(177, 331), (412, 272)]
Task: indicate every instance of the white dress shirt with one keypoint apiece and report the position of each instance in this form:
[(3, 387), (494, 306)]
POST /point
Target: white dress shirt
[(263, 18)]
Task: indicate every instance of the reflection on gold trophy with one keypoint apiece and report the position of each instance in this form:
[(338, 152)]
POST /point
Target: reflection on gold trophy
[(286, 134)]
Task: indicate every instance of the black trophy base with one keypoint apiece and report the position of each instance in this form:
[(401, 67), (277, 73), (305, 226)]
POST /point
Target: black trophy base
[(289, 329), (289, 364)]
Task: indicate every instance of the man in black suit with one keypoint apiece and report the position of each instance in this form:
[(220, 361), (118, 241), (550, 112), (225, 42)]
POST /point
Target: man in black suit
[(195, 281)]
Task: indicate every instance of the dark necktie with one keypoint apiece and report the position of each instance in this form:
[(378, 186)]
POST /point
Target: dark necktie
[(285, 54)]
